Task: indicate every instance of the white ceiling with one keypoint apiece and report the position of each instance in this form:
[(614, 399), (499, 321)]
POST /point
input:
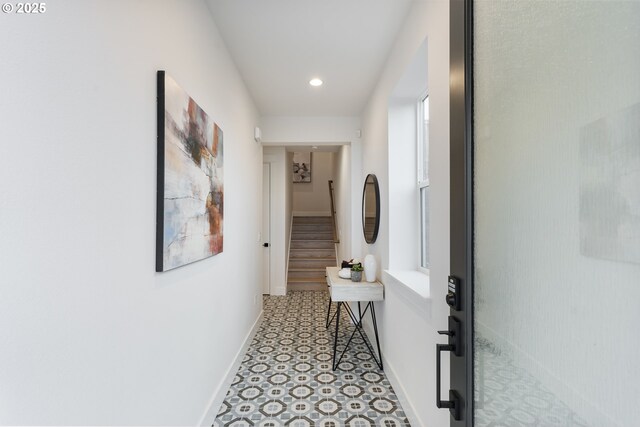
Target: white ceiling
[(279, 45)]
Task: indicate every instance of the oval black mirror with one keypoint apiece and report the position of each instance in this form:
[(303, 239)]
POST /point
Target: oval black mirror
[(370, 208)]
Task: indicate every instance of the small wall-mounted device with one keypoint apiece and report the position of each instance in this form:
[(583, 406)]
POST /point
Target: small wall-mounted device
[(453, 294), (257, 135)]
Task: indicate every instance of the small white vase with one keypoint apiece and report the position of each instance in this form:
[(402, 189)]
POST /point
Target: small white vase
[(370, 266)]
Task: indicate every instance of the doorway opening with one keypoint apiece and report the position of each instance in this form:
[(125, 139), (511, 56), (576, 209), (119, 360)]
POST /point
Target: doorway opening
[(308, 199)]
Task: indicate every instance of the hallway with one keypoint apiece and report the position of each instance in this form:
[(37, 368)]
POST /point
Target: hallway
[(285, 378)]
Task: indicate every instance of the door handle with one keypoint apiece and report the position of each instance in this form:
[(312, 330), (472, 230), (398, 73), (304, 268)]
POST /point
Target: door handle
[(266, 245), (454, 397), (455, 336), (454, 346)]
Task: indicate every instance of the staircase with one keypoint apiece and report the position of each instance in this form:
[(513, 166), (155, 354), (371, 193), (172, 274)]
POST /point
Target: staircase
[(312, 250)]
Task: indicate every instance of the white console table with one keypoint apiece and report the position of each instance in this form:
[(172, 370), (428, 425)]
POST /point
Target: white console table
[(345, 291)]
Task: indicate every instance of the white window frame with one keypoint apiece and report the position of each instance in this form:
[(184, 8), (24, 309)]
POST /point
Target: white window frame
[(420, 135)]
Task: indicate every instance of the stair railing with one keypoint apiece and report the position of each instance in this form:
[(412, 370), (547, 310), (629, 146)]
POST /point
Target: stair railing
[(333, 213)]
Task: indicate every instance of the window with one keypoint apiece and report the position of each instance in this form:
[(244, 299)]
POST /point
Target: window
[(423, 178)]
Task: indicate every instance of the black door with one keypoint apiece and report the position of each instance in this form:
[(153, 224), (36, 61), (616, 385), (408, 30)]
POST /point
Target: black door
[(545, 213), (460, 296)]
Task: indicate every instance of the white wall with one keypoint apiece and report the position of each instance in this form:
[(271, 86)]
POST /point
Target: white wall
[(408, 329), (288, 211), (355, 200), (403, 201), (403, 133), (312, 198), (90, 334), (280, 130), (296, 131), (342, 196), (281, 205), (567, 318)]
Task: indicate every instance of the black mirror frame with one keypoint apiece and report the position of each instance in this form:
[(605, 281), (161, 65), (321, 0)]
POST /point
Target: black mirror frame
[(377, 220)]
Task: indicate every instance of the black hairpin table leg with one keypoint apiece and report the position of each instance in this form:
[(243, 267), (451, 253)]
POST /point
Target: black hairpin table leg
[(328, 312), (335, 339), (359, 329)]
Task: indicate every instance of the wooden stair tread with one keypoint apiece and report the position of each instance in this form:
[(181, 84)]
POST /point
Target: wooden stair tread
[(312, 244), (305, 256), (309, 258), (315, 240), (307, 287), (312, 249), (305, 218)]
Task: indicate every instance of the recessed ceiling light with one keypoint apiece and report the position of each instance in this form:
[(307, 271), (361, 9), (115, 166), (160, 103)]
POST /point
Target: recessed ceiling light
[(315, 82), (315, 147)]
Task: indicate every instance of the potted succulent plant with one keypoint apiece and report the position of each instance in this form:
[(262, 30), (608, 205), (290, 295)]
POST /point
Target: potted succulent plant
[(356, 272)]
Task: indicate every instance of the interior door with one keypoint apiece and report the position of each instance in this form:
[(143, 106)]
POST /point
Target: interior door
[(266, 228), (545, 222)]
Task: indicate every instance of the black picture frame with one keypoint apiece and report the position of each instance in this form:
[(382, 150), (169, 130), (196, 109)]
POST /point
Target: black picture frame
[(160, 172)]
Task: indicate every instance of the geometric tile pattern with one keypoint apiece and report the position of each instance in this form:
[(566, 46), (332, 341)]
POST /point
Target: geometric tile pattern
[(506, 395), (286, 377)]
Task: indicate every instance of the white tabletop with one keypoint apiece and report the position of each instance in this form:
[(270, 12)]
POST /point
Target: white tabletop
[(346, 290)]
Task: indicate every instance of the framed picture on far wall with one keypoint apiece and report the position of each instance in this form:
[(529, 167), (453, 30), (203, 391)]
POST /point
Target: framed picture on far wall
[(302, 167), (190, 179)]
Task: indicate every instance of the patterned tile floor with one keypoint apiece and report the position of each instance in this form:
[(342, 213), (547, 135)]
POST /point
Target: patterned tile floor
[(508, 396), (286, 379)]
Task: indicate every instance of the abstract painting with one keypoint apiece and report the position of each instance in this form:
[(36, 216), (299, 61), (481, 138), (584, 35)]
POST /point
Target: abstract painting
[(190, 179), (302, 167)]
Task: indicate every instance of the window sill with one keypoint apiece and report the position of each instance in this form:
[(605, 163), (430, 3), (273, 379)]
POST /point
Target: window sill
[(416, 281), (412, 285)]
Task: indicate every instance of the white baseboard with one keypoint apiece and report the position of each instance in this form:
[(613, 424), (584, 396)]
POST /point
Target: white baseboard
[(395, 382), (407, 407), (279, 291), (312, 213), (219, 394)]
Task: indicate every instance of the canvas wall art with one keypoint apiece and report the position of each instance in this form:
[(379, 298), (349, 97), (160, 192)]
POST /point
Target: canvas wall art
[(302, 167), (190, 196)]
